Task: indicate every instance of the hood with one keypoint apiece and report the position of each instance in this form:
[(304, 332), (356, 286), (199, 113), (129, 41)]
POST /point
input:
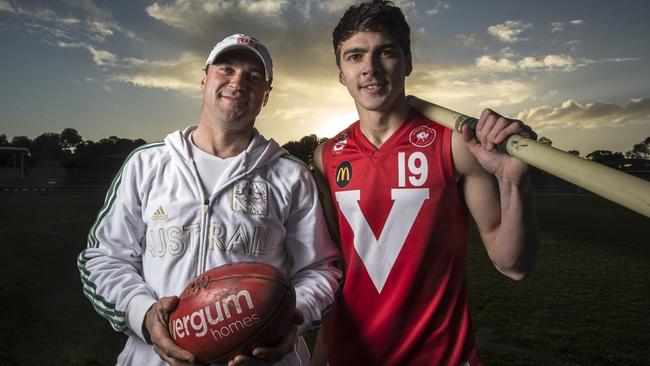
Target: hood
[(259, 152)]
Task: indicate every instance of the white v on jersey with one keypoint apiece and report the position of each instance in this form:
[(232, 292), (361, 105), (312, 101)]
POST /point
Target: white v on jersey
[(403, 229)]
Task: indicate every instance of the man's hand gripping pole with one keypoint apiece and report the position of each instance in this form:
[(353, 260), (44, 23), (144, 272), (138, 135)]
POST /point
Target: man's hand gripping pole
[(626, 190)]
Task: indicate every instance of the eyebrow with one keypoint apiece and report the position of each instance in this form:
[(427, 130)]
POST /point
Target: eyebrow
[(257, 67), (365, 50), (355, 50)]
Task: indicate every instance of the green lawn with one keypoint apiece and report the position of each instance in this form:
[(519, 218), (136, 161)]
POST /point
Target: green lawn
[(586, 303), (588, 300)]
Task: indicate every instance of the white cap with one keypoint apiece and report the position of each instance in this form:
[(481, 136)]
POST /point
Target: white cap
[(242, 41)]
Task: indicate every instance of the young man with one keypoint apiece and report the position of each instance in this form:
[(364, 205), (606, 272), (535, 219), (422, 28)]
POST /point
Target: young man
[(402, 187), (209, 195)]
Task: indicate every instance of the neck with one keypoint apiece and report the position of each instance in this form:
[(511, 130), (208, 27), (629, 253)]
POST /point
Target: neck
[(220, 142), (379, 126)]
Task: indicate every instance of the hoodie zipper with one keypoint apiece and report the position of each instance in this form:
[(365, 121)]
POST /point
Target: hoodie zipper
[(201, 248), (205, 228)]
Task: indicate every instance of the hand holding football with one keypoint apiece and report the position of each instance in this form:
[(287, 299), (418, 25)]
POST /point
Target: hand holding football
[(233, 309)]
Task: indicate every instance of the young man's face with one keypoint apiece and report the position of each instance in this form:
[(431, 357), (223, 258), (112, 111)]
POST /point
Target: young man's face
[(373, 68), (234, 88)]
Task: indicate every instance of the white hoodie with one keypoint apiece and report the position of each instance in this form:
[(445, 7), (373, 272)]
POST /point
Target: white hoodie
[(157, 231)]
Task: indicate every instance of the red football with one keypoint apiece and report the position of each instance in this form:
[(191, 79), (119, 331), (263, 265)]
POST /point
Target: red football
[(232, 309)]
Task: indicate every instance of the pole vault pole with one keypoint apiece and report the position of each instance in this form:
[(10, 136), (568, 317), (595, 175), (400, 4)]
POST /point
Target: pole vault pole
[(624, 189)]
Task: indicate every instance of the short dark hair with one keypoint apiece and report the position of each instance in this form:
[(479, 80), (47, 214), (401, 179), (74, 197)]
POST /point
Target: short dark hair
[(372, 16)]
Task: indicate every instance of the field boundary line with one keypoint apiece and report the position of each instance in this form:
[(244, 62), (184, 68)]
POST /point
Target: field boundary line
[(34, 227), (527, 354)]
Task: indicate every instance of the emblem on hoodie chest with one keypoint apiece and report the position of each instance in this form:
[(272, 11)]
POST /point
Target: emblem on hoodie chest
[(250, 197)]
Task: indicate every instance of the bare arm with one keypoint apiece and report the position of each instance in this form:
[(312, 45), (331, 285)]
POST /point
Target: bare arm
[(498, 193), (324, 193), (319, 357)]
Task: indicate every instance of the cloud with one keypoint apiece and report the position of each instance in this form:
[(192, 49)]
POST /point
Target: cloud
[(560, 26), (182, 74), (291, 112), (6, 6), (202, 17), (472, 95), (407, 6), (96, 26), (505, 63), (572, 45), (489, 64), (335, 6), (529, 63), (305, 70), (471, 40), (100, 57), (297, 36), (508, 52), (557, 27), (572, 114), (440, 6), (619, 59), (90, 8), (465, 86), (509, 31)]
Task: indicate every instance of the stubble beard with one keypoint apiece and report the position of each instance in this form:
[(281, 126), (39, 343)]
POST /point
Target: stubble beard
[(381, 101), (232, 109)]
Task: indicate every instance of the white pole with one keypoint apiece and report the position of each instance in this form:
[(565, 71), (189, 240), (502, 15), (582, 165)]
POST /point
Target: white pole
[(626, 190)]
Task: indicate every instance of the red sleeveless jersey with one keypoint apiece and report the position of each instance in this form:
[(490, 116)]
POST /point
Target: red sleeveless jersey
[(403, 229)]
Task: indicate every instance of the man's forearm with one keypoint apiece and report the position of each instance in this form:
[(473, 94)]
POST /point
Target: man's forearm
[(517, 240)]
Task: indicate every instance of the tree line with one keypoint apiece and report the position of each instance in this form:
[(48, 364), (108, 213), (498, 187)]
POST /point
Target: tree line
[(72, 151), (640, 150)]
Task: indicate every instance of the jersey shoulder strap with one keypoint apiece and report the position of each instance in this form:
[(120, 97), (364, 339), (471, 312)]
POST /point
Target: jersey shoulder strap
[(331, 146)]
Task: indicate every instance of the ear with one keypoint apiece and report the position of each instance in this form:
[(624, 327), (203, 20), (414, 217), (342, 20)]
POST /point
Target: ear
[(203, 81), (408, 64), (266, 95), (342, 78)]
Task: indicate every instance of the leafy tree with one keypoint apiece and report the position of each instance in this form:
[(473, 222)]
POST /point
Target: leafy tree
[(47, 145), (3, 140), (545, 140), (304, 149), (640, 150), (21, 141), (601, 156), (70, 139), (88, 154)]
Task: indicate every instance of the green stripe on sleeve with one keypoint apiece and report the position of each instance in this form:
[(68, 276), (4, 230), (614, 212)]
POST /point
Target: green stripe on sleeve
[(102, 306)]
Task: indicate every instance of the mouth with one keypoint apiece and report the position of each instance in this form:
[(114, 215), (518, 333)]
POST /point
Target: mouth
[(374, 87), (234, 98)]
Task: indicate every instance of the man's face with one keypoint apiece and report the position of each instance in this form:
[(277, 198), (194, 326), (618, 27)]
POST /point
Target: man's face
[(234, 89), (373, 68)]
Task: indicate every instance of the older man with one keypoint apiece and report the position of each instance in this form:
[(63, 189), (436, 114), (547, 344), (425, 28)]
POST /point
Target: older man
[(208, 195)]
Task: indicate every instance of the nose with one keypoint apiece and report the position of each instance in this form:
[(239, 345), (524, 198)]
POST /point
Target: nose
[(236, 80), (370, 65)]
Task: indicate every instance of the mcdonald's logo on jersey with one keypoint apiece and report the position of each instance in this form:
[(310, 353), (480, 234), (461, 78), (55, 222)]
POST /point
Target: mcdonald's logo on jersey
[(343, 174)]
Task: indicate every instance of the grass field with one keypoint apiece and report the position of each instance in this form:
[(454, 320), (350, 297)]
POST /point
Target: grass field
[(587, 302)]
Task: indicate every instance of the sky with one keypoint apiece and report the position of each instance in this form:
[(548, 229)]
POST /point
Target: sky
[(577, 71)]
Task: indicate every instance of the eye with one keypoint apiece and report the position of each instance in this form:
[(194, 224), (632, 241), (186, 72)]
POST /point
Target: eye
[(256, 77), (354, 57), (388, 52), (225, 69)]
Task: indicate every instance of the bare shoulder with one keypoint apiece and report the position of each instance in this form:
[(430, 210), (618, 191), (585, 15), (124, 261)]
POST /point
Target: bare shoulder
[(318, 158), (465, 163)]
